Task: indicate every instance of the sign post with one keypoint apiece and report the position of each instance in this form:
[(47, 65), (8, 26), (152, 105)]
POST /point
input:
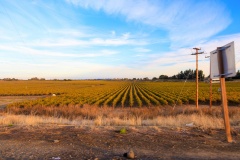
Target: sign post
[(224, 96), (223, 65), (210, 94)]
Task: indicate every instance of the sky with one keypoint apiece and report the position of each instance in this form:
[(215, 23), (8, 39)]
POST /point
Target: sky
[(89, 39)]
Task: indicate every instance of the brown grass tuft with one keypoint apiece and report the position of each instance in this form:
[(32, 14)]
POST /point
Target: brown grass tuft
[(106, 116)]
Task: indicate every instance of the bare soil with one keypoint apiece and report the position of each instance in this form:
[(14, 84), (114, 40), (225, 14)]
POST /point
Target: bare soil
[(70, 142), (5, 100)]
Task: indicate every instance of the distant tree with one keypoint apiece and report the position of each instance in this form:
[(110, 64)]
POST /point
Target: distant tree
[(154, 78), (146, 79), (237, 75), (163, 77), (34, 78), (190, 74), (174, 77), (187, 74), (10, 79), (201, 76)]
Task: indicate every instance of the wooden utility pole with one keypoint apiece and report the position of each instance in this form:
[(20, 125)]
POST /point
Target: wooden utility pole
[(224, 95), (210, 93), (197, 53)]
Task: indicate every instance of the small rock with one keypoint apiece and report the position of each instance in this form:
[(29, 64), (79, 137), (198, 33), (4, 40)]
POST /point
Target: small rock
[(235, 133), (56, 141), (190, 124), (129, 155)]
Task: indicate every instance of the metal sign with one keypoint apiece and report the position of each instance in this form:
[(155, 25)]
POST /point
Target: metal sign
[(228, 56)]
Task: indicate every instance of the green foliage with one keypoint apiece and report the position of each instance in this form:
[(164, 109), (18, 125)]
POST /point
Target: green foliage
[(163, 77), (123, 131), (189, 74), (10, 125), (237, 75)]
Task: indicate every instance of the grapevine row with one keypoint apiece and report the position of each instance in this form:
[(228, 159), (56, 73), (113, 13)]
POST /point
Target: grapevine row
[(115, 93)]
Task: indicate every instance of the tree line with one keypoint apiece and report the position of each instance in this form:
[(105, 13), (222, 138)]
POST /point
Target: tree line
[(187, 74), (191, 75)]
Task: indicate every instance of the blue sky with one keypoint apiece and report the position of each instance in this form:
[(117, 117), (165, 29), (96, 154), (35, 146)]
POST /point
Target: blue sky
[(81, 39)]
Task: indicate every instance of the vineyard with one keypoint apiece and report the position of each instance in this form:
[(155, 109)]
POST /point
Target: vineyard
[(115, 93)]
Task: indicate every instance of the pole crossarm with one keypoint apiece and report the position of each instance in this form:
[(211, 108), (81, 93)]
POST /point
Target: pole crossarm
[(197, 53)]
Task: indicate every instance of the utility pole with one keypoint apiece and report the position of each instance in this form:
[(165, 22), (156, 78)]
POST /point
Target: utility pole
[(197, 53), (210, 81)]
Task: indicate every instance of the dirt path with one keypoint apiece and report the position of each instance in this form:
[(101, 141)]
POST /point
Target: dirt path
[(5, 100), (69, 142)]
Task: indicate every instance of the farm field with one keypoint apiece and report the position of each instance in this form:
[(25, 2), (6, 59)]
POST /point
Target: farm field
[(100, 100), (87, 116), (116, 93)]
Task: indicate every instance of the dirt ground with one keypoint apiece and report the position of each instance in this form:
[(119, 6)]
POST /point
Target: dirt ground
[(4, 100), (59, 142), (96, 143)]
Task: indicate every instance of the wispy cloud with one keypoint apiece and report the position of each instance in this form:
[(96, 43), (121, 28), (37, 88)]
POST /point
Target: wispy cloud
[(141, 50), (188, 22), (174, 61), (76, 39), (81, 32), (103, 38), (31, 51)]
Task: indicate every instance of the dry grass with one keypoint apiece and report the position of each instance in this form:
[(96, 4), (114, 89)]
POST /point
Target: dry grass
[(105, 116), (171, 121), (92, 112), (8, 119)]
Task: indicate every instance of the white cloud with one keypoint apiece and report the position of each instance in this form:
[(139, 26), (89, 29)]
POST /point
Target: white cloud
[(187, 22), (82, 32), (57, 40), (63, 69), (170, 63), (113, 33), (31, 51), (142, 50), (88, 42), (126, 35), (173, 62), (75, 38)]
